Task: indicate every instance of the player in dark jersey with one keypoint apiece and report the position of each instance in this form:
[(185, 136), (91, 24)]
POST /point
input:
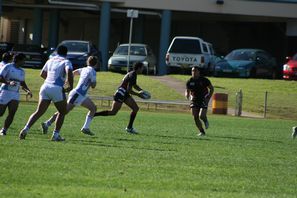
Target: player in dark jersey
[(122, 95), (199, 91)]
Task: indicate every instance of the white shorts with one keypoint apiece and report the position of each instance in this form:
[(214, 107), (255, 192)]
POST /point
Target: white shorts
[(76, 98), (51, 92), (7, 96)]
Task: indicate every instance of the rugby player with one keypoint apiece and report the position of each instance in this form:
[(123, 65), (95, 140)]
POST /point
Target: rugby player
[(199, 91), (78, 96), (12, 76), (54, 72), (122, 95)]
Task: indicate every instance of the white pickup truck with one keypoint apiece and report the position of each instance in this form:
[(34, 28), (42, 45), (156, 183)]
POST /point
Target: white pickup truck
[(185, 52)]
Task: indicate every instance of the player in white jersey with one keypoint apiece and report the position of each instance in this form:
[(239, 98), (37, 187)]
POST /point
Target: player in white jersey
[(12, 77), (54, 72), (6, 58), (78, 96)]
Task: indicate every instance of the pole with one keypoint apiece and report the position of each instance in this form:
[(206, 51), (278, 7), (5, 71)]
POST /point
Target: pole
[(129, 47), (265, 103)]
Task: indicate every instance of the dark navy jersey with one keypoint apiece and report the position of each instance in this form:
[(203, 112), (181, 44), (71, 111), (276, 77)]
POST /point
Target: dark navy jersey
[(198, 87), (129, 80)]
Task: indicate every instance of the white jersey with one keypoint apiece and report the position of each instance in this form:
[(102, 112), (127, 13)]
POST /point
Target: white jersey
[(12, 73), (56, 68), (87, 76)]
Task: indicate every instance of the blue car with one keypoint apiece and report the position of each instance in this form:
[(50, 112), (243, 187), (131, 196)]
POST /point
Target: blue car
[(247, 63), (79, 51)]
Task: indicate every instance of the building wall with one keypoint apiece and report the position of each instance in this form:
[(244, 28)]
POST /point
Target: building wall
[(235, 24)]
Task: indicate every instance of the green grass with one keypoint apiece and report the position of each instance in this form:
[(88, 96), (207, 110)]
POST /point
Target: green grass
[(238, 158), (281, 94)]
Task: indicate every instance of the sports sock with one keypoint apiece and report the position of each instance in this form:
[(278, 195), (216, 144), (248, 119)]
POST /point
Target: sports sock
[(56, 133), (48, 123), (87, 122), (132, 118), (26, 128), (101, 113)]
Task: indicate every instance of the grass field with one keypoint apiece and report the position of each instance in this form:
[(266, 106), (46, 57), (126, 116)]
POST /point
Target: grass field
[(238, 158), (281, 101)]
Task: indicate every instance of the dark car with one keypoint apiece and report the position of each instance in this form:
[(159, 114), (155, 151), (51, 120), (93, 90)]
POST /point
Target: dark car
[(35, 55), (5, 47), (79, 51), (290, 68), (247, 63)]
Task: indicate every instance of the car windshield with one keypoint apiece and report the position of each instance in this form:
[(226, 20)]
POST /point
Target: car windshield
[(76, 46), (186, 46), (134, 50), (240, 55)]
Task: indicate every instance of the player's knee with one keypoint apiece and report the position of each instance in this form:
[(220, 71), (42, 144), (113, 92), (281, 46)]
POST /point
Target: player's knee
[(203, 117), (93, 110), (136, 109), (63, 112), (196, 118), (11, 115)]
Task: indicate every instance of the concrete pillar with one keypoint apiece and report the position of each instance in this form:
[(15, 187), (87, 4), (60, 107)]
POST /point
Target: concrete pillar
[(164, 41), (37, 26), (104, 34), (0, 8), (53, 28)]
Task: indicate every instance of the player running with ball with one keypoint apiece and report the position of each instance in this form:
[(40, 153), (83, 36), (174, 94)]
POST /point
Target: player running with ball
[(122, 95)]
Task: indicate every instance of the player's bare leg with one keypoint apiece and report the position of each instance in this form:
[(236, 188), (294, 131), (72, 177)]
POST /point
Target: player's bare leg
[(133, 105), (88, 103), (116, 106), (41, 109), (45, 125), (195, 113), (203, 117), (12, 108), (62, 109)]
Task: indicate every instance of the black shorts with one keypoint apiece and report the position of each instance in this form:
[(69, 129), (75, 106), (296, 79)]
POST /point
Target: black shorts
[(121, 95), (198, 104)]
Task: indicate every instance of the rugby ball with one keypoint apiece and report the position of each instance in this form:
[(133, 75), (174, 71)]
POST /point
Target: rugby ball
[(145, 95)]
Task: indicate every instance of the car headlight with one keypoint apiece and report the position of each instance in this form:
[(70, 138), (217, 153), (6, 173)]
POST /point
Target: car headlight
[(286, 67), (217, 67), (241, 68), (145, 63)]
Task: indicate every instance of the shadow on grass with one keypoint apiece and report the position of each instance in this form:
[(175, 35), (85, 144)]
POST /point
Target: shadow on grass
[(104, 144), (243, 138), (195, 137)]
